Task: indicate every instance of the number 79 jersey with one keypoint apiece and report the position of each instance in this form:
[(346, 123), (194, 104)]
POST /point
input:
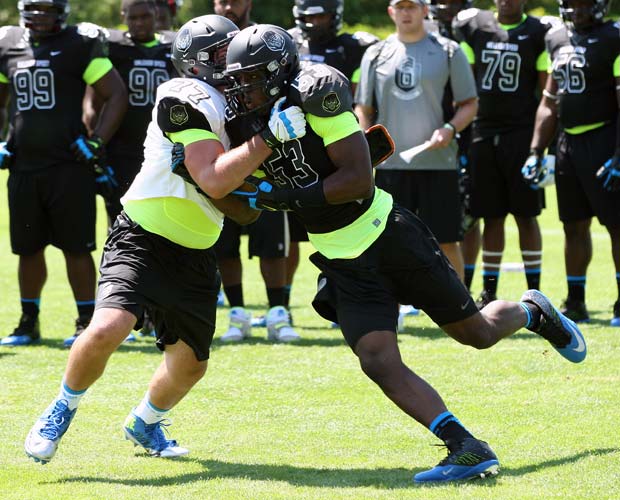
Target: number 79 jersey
[(584, 67), (506, 66), (47, 82)]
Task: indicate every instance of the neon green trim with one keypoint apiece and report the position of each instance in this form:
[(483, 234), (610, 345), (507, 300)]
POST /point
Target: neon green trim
[(152, 43), (179, 220), (542, 63), (512, 26), (469, 52), (617, 67), (334, 128), (351, 241), (97, 68), (3, 78), (191, 135), (355, 77), (582, 129)]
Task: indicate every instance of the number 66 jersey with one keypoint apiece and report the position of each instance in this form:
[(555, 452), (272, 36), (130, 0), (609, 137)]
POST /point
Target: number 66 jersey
[(47, 80)]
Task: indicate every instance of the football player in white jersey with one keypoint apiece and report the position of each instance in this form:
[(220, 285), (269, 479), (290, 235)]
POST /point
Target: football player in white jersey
[(159, 253)]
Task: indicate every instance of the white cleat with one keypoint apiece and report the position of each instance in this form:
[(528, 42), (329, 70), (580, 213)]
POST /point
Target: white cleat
[(279, 325), (240, 325), (43, 439)]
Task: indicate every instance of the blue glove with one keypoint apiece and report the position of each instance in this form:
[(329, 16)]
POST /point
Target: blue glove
[(538, 170), (609, 174), (106, 183), (262, 194), (5, 156), (88, 150)]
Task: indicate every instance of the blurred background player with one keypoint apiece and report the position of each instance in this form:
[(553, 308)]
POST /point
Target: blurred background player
[(441, 15), (316, 34), (141, 55), (403, 77), (51, 184), (582, 97), (166, 14), (507, 52), (268, 239)]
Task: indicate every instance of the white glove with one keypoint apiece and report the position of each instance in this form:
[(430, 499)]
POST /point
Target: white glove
[(539, 171), (284, 124)]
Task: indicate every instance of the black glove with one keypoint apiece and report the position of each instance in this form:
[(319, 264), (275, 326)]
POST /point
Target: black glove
[(609, 173), (263, 195), (89, 150), (106, 183), (5, 156)]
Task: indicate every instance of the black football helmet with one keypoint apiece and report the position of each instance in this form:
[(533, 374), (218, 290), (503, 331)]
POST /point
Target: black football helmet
[(263, 47), (303, 8), (578, 19), (29, 12), (199, 48), (443, 12)]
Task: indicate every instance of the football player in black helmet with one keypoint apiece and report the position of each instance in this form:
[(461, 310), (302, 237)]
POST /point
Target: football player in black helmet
[(444, 11), (319, 20), (372, 254), (582, 100), (45, 66)]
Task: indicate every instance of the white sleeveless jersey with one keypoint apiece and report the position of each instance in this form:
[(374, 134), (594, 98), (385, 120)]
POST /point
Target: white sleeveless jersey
[(155, 179)]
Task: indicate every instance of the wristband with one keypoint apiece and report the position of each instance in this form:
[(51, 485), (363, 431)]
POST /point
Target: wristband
[(312, 196), (451, 127), (270, 139)]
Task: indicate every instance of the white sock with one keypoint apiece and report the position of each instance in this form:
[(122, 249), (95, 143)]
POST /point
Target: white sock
[(72, 397), (149, 412)]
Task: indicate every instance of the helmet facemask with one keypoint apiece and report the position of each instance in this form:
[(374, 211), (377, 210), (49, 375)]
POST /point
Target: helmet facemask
[(52, 14)]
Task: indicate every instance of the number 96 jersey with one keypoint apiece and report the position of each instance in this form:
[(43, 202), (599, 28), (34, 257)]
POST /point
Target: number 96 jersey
[(583, 67), (47, 80)]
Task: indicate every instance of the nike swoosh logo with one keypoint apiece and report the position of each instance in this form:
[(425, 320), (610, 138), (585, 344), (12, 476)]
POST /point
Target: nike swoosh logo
[(581, 345), (55, 52), (522, 37), (446, 472), (464, 306), (592, 40)]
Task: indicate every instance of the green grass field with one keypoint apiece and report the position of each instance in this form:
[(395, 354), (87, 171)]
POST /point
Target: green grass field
[(302, 421)]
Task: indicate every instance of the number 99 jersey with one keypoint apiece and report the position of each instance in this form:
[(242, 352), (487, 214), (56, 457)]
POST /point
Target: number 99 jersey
[(143, 67), (583, 67), (506, 66), (47, 82)]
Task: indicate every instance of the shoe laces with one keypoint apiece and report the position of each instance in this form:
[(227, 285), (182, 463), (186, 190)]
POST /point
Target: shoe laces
[(155, 437), (460, 456), (57, 421)]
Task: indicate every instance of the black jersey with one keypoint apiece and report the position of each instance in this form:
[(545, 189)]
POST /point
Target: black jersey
[(505, 69), (321, 91), (344, 52), (583, 68), (46, 80), (142, 68)]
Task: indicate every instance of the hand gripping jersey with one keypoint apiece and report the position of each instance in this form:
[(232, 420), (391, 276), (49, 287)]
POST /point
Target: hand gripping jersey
[(47, 80), (344, 52), (583, 67), (143, 67), (506, 67), (186, 109)]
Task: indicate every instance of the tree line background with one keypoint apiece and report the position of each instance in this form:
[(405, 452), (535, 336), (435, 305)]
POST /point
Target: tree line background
[(371, 13)]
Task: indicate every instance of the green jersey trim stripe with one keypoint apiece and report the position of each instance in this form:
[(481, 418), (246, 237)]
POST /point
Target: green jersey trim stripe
[(512, 26), (97, 68), (355, 77), (152, 43), (191, 135), (351, 241), (617, 67), (179, 220), (582, 129), (469, 52), (542, 63), (3, 78), (334, 128)]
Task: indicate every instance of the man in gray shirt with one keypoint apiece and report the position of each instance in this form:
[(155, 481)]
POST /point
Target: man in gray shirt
[(404, 82)]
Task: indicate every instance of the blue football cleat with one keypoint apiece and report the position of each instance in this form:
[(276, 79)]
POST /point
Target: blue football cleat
[(42, 440), (26, 333), (615, 321), (562, 333), (151, 437), (471, 460)]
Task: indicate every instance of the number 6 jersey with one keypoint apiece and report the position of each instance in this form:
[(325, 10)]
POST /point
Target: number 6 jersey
[(47, 79)]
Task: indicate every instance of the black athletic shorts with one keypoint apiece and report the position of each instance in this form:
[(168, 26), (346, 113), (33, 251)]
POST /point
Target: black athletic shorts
[(178, 285), (268, 237), (406, 266), (498, 188), (296, 228), (431, 195), (580, 194), (125, 170), (52, 206)]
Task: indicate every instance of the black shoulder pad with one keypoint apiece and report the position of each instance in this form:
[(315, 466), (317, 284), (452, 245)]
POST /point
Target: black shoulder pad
[(90, 30), (174, 115), (321, 90), (10, 36)]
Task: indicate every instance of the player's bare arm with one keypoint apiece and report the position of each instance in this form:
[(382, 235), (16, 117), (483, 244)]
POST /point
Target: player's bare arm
[(365, 115), (236, 209), (353, 180), (112, 91), (546, 116)]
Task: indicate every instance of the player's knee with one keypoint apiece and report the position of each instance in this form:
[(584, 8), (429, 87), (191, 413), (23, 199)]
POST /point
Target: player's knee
[(378, 359)]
